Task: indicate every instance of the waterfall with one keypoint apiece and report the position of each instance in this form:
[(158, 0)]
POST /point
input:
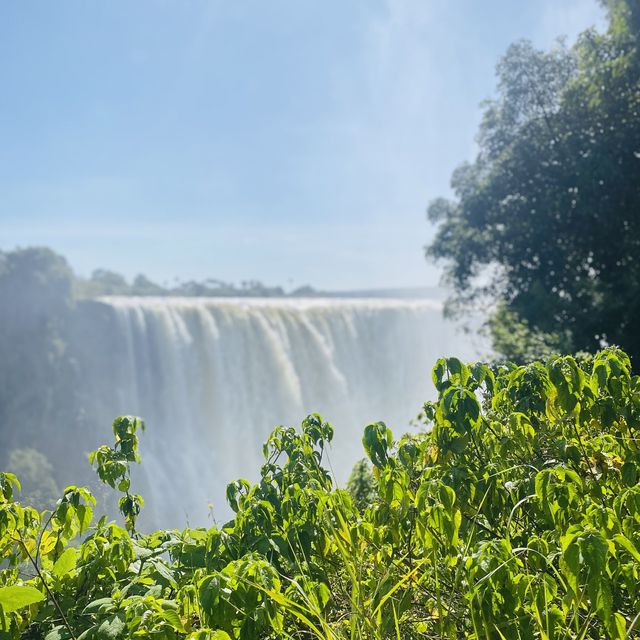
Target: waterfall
[(212, 377)]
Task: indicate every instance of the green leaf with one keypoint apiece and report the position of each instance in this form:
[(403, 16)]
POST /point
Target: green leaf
[(85, 515), (165, 572), (208, 634), (447, 497), (458, 369), (105, 604), (18, 597), (437, 373), (172, 617), (65, 564), (618, 627), (594, 550), (629, 473), (627, 545), (323, 595), (57, 633), (112, 628), (377, 440)]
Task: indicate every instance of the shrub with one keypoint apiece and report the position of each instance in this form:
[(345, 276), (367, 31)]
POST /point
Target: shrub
[(515, 515)]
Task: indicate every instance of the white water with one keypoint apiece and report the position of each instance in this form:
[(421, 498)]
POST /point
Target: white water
[(212, 377)]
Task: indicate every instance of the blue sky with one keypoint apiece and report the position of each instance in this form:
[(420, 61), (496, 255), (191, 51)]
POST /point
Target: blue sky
[(292, 142)]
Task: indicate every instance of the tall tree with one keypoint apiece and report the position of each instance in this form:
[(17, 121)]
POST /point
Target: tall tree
[(35, 369), (545, 224)]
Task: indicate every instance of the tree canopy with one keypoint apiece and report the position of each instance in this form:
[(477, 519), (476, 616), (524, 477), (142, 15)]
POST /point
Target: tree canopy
[(545, 223)]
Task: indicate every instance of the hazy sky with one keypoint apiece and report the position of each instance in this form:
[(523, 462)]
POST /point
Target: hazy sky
[(293, 142)]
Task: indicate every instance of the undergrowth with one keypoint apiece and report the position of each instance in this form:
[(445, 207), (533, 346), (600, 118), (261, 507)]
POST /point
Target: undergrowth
[(515, 514)]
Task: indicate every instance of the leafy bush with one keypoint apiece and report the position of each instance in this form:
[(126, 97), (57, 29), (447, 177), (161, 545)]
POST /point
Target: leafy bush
[(515, 515)]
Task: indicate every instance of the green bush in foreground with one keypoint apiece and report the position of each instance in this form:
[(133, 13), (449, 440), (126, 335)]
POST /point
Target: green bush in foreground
[(516, 515)]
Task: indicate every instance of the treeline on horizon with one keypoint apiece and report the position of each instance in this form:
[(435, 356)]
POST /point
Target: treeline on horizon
[(22, 264)]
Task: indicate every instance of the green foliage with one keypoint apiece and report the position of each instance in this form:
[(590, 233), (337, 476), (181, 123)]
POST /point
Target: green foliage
[(112, 465), (109, 283), (515, 339), (515, 514), (35, 306), (362, 485), (544, 221), (18, 597)]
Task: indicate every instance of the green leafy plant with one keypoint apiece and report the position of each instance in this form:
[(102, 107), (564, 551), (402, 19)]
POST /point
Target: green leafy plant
[(514, 514)]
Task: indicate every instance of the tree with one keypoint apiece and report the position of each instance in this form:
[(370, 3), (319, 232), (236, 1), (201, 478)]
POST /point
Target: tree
[(110, 282), (142, 286), (35, 284), (545, 224), (36, 370), (362, 485)]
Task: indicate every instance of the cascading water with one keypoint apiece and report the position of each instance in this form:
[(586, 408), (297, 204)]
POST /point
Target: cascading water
[(212, 377)]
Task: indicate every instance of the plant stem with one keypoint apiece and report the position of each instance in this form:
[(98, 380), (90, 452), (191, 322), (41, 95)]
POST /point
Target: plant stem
[(48, 590)]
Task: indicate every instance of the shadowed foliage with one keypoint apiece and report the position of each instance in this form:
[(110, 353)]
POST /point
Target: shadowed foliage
[(545, 220)]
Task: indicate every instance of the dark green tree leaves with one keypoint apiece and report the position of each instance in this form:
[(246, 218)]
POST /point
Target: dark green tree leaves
[(545, 220)]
